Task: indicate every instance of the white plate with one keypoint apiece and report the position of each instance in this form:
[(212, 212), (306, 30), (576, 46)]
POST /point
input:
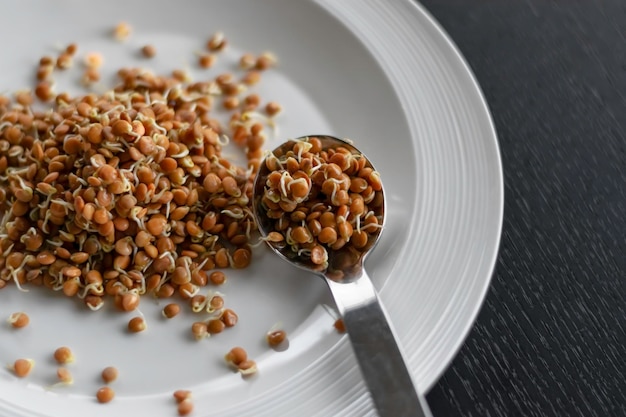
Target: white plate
[(381, 73)]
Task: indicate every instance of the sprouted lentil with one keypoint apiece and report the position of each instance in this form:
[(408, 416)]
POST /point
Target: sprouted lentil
[(182, 395), (64, 355), (238, 359), (93, 60), (321, 200), (137, 325), (206, 60), (22, 367), (275, 337), (64, 376), (127, 192), (171, 310), (18, 320), (185, 407), (217, 42), (247, 367), (121, 32), (236, 356)]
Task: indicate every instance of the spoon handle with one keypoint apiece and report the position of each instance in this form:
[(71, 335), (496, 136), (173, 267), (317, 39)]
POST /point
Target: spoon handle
[(376, 349)]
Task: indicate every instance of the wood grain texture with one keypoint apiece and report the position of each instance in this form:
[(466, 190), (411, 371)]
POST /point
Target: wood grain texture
[(551, 337)]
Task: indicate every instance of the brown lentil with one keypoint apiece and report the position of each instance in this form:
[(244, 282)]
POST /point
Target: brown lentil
[(217, 277), (247, 367), (109, 374), (199, 330), (276, 337), (229, 317), (105, 395), (64, 355), (148, 51), (171, 310), (215, 326), (339, 325), (122, 31), (217, 42), (349, 196), (185, 407), (19, 320), (128, 193), (23, 367), (236, 356), (273, 108), (206, 60), (137, 325), (182, 395), (64, 376)]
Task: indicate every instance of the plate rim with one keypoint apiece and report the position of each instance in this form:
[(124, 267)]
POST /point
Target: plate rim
[(451, 50)]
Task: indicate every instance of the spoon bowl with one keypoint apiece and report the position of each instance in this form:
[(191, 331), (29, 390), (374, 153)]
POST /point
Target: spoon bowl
[(301, 190), (344, 264)]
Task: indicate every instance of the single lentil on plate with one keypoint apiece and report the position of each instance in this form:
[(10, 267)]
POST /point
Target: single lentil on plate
[(109, 374), (105, 395), (23, 367), (63, 355), (18, 320)]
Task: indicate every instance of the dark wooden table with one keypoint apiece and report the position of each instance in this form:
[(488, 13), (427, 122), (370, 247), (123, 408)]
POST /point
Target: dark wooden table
[(551, 337)]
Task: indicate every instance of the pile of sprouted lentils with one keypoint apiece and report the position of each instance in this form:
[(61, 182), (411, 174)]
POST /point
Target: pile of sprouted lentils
[(111, 196)]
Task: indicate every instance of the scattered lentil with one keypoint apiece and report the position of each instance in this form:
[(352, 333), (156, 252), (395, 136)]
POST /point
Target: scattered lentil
[(64, 355), (247, 61), (247, 367), (276, 337), (182, 395), (265, 61), (217, 277), (127, 192), (217, 42), (23, 367), (236, 356), (65, 376), (93, 60), (206, 60), (64, 61), (171, 310), (272, 108), (199, 330), (122, 31), (185, 407), (19, 320), (105, 395), (148, 51), (229, 317), (137, 324), (339, 325), (109, 374)]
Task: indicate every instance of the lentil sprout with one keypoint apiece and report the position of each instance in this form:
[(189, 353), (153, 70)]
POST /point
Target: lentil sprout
[(126, 193), (64, 376), (321, 201), (22, 367), (18, 320)]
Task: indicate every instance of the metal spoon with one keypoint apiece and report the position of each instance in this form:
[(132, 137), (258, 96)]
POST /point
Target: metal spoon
[(373, 340)]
